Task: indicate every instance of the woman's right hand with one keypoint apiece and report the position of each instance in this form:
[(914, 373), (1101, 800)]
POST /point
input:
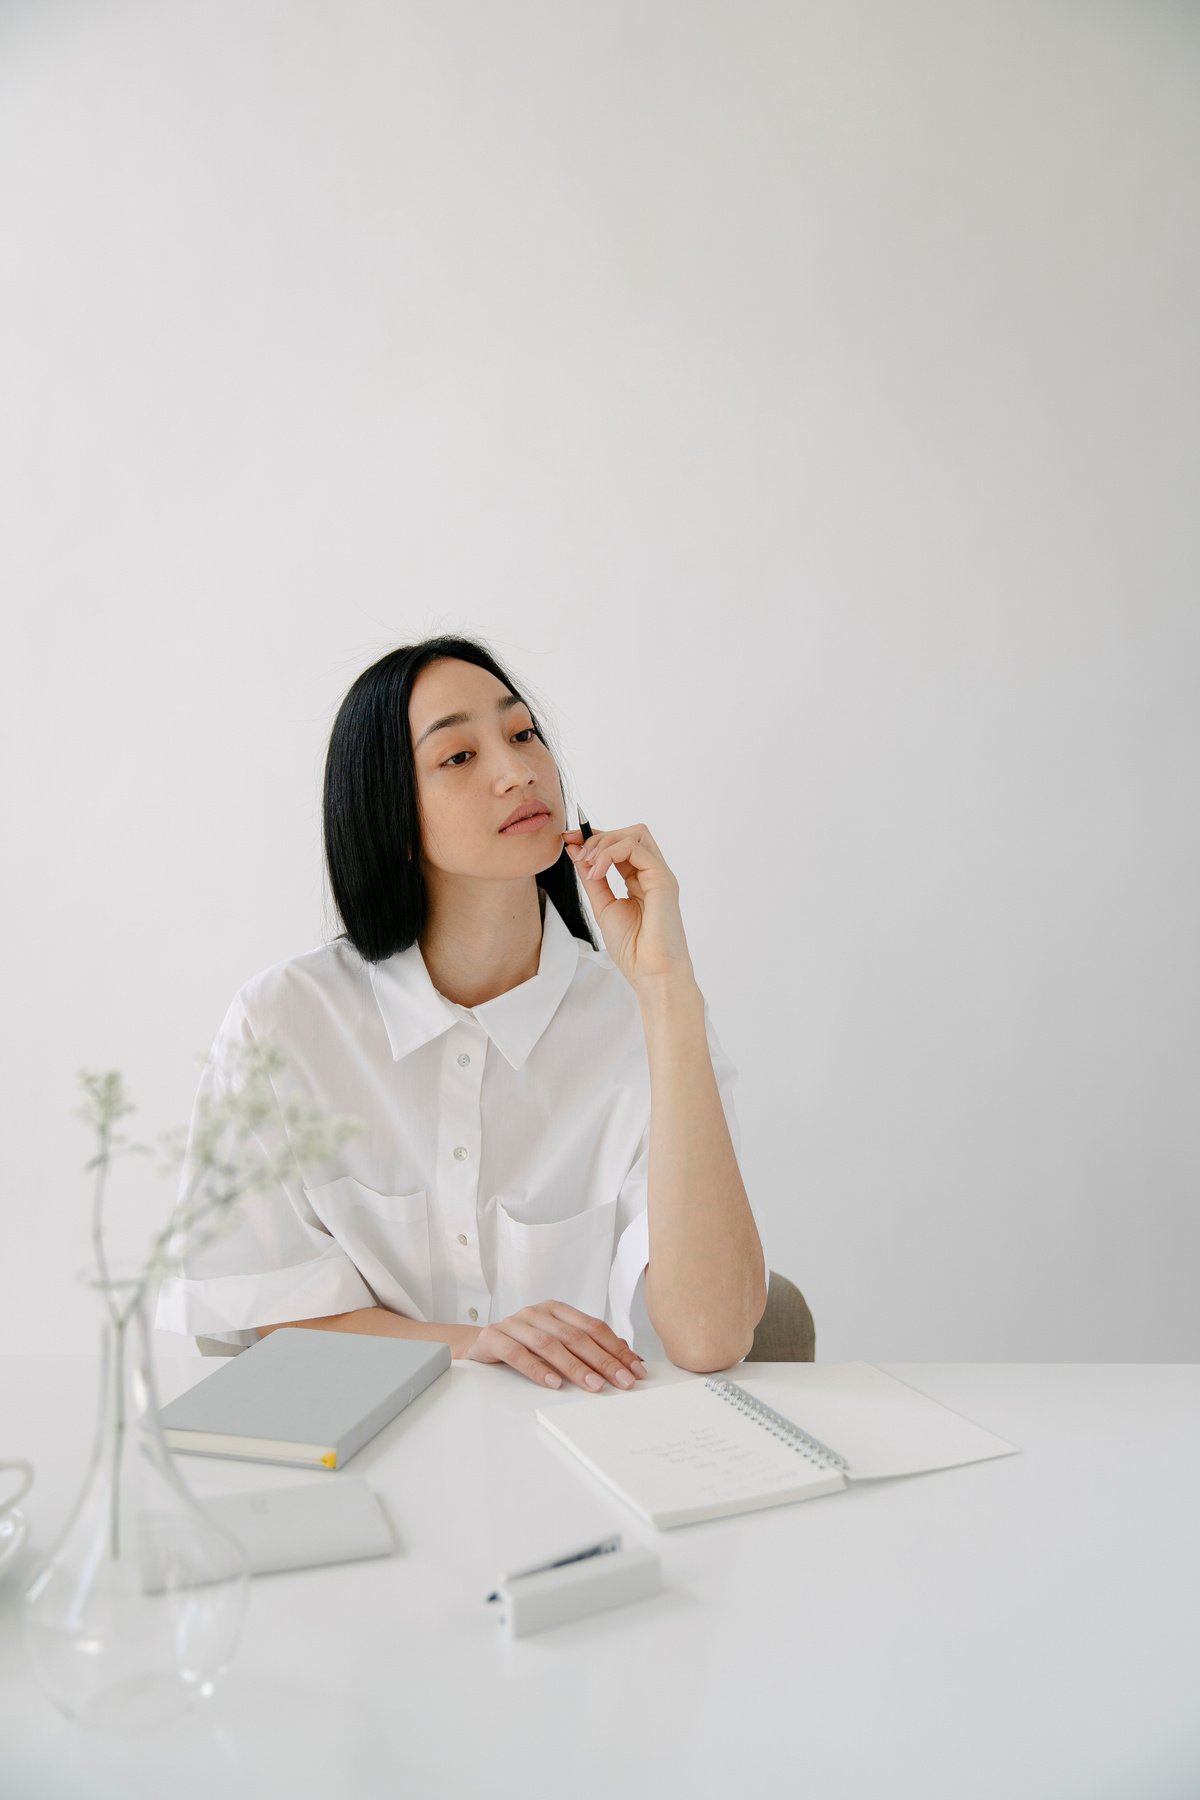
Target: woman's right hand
[(551, 1340)]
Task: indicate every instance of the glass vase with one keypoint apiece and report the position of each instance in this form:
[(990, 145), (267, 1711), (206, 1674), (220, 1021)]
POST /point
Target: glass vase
[(135, 1613)]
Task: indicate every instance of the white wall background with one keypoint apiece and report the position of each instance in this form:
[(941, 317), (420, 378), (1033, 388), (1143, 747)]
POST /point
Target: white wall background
[(802, 400)]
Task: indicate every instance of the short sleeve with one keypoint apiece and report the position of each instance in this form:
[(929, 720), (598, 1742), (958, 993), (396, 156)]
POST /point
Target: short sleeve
[(633, 1233), (277, 1262)]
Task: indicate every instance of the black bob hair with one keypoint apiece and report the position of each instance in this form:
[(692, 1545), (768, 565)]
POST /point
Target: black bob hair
[(371, 819)]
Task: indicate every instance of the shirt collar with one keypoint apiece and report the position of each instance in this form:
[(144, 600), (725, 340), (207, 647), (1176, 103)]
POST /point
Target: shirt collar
[(414, 1013)]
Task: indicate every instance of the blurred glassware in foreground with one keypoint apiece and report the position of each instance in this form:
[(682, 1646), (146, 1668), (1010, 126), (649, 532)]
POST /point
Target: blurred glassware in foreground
[(136, 1611)]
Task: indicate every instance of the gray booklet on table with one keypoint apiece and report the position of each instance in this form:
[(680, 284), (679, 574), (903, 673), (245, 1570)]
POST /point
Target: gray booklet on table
[(308, 1398)]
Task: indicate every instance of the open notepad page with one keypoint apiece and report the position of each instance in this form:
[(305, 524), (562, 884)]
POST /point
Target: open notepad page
[(880, 1424), (684, 1453)]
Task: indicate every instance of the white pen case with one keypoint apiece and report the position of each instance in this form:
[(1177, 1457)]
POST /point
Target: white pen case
[(591, 1581)]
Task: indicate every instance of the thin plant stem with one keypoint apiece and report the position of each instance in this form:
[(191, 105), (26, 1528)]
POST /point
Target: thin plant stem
[(117, 1378), (105, 1130)]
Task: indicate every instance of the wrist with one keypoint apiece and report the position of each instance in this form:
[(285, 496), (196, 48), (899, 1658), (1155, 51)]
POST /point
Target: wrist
[(463, 1342), (678, 992)]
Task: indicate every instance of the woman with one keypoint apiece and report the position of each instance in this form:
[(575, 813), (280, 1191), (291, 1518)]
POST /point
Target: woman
[(541, 1117)]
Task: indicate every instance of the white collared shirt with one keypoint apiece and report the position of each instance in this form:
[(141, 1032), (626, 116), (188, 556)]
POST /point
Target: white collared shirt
[(503, 1161)]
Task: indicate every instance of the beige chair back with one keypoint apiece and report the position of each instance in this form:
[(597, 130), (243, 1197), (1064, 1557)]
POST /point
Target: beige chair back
[(786, 1332)]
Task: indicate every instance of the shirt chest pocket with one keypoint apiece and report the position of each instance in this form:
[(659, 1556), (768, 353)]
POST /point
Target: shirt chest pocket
[(386, 1237), (565, 1259)]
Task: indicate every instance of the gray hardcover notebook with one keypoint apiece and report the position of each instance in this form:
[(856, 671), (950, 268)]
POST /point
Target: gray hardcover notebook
[(311, 1398)]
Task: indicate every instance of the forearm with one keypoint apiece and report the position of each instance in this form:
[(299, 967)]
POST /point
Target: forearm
[(705, 1284), (380, 1321)]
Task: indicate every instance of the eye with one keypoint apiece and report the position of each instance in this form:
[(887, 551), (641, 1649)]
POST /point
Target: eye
[(452, 763)]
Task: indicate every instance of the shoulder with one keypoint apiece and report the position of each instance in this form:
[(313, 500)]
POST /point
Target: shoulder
[(599, 982), (324, 979), (600, 987), (598, 976)]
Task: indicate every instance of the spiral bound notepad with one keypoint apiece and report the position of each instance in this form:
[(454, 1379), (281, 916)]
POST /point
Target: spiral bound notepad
[(703, 1449)]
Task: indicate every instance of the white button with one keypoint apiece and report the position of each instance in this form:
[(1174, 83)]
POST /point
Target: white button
[(460, 1150), (461, 1238), (464, 1061), (474, 1314)]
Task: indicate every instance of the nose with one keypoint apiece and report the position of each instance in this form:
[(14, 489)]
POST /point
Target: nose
[(516, 776)]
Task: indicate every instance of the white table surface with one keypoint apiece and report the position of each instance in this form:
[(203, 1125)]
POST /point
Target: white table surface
[(1011, 1630)]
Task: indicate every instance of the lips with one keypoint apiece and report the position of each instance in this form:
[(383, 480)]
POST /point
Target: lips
[(529, 811)]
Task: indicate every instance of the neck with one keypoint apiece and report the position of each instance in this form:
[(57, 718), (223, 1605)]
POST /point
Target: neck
[(479, 942)]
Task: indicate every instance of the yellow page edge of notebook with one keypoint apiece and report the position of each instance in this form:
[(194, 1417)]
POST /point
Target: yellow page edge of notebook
[(211, 1443)]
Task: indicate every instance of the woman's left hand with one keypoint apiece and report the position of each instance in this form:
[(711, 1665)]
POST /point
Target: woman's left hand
[(644, 933)]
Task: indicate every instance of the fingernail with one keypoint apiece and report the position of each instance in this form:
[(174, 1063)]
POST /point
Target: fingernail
[(623, 1378), (554, 1381), (593, 1381), (639, 1366)]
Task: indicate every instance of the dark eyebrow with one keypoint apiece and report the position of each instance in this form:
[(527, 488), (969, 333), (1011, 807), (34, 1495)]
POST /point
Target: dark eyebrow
[(502, 705)]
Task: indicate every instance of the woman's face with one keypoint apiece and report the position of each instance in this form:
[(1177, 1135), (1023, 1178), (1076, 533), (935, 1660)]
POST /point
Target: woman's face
[(473, 774)]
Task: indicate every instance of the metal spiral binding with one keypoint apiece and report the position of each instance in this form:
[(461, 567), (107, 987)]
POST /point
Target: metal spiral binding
[(785, 1429)]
